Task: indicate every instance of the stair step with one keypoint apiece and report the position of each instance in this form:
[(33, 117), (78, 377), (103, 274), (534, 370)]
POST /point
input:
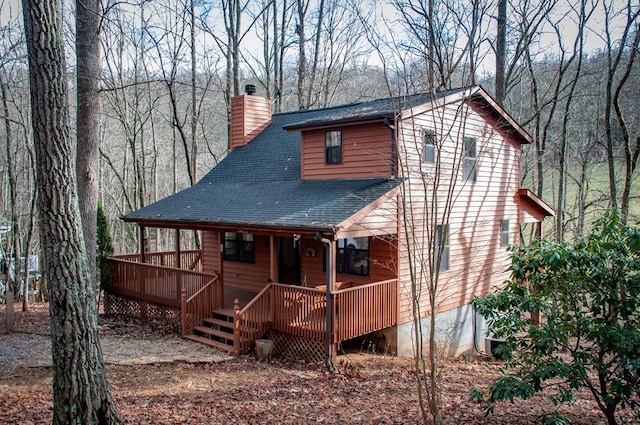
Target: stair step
[(212, 321), (228, 312), (214, 332), (210, 342)]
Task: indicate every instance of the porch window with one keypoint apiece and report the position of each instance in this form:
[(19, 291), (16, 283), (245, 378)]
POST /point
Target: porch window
[(470, 159), (238, 247), (333, 147), (352, 256), (504, 234), (429, 142), (442, 243)]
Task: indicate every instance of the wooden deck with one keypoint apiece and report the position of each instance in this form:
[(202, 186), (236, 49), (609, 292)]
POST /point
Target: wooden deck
[(206, 309)]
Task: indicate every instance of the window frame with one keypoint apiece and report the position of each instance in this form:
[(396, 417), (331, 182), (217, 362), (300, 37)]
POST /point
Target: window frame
[(238, 247), (504, 233), (444, 259), (344, 253), (428, 146), (470, 158), (332, 151)]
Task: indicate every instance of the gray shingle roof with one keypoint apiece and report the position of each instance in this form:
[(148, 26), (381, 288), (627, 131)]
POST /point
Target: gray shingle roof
[(259, 184)]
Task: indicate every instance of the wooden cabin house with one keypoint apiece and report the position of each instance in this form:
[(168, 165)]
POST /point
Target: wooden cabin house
[(325, 225)]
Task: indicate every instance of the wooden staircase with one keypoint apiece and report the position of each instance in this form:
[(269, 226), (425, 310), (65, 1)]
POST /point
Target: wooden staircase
[(216, 331)]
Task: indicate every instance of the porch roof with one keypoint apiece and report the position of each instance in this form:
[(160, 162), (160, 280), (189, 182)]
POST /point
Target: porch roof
[(259, 185), (313, 205)]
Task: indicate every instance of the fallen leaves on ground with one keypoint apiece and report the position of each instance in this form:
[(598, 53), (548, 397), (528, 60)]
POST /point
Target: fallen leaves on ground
[(366, 389)]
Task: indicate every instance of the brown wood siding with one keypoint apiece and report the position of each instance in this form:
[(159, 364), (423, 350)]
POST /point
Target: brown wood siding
[(366, 153), (382, 266), (250, 276), (478, 262), (249, 116), (211, 251)]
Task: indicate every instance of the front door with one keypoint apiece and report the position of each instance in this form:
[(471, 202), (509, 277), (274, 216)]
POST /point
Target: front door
[(289, 261)]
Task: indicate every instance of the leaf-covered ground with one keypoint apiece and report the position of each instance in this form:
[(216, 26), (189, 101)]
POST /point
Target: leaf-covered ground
[(366, 389)]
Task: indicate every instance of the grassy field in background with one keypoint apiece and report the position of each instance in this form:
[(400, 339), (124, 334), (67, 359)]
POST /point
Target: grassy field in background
[(597, 195)]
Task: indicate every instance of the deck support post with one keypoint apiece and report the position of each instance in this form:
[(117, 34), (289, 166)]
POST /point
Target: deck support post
[(183, 310), (178, 265), (329, 314), (141, 243), (236, 327)]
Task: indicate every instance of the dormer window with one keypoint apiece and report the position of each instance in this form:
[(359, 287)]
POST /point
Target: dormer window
[(333, 147)]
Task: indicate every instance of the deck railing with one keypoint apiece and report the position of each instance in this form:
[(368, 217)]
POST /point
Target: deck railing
[(301, 311), (363, 309), (154, 284), (189, 260), (252, 321), (200, 305)]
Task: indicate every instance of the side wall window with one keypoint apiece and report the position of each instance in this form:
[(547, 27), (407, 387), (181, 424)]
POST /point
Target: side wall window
[(470, 159), (429, 143), (353, 256), (442, 242), (504, 234), (238, 247), (333, 147)]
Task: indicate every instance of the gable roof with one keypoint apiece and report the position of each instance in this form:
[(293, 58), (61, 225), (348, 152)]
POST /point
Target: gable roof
[(259, 185)]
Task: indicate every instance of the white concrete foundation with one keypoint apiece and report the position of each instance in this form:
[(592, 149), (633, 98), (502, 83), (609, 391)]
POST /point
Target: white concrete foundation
[(455, 330)]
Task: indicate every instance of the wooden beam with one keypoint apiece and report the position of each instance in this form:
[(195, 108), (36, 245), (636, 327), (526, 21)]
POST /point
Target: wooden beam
[(178, 265), (141, 243), (273, 259)]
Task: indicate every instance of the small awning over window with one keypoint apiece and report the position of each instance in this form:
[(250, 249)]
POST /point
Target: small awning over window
[(532, 208)]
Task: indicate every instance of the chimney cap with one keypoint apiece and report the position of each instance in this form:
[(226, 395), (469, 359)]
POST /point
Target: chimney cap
[(250, 89)]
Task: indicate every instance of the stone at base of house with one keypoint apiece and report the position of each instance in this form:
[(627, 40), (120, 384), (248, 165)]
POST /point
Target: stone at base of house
[(458, 331)]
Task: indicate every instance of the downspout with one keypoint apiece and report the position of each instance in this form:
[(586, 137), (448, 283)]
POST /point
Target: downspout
[(329, 311), (394, 152)]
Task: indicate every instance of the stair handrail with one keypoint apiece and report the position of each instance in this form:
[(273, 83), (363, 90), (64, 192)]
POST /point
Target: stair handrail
[(239, 319), (209, 303)]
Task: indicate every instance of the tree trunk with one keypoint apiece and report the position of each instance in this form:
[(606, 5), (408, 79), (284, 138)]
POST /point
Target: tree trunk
[(501, 48), (81, 394), (88, 22)]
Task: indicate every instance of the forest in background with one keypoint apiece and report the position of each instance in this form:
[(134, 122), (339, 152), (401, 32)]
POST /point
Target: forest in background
[(566, 70)]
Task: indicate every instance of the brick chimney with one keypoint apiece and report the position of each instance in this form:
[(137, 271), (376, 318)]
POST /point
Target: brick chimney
[(250, 114)]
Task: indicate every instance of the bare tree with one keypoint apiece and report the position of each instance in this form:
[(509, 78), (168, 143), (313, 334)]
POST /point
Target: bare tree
[(88, 70), (81, 393)]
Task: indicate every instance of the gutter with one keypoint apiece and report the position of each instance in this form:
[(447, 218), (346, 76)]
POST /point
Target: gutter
[(329, 309)]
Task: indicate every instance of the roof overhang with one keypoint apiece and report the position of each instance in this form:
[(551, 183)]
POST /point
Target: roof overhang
[(478, 94), (532, 208)]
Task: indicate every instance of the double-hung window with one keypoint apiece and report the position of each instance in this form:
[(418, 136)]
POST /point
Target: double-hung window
[(352, 256), (333, 147), (470, 159), (442, 243), (429, 146), (504, 233), (238, 247)]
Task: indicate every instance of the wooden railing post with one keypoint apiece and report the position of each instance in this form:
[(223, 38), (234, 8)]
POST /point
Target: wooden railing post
[(236, 327), (183, 310)]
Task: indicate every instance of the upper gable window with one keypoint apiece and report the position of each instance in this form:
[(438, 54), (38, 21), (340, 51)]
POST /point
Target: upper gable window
[(333, 147), (470, 158), (429, 142)]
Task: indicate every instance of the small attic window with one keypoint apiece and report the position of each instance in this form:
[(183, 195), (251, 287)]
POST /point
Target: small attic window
[(333, 147)]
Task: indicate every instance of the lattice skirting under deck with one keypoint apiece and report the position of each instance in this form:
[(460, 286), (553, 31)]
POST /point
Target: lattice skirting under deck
[(127, 307), (296, 347)]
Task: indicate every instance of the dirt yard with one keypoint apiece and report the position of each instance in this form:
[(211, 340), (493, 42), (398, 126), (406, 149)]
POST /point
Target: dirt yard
[(158, 378)]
